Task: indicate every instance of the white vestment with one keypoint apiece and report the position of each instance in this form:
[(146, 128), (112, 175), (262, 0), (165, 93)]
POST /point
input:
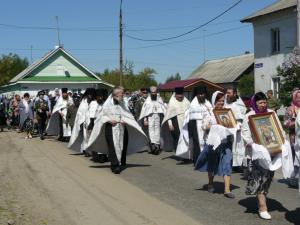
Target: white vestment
[(77, 136), (201, 112), (176, 109), (238, 146), (137, 140), (53, 127), (152, 111)]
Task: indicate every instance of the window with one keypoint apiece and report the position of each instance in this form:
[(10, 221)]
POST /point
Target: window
[(275, 40)]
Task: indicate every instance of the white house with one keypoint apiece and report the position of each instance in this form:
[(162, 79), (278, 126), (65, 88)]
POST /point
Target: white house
[(275, 36), (57, 69)]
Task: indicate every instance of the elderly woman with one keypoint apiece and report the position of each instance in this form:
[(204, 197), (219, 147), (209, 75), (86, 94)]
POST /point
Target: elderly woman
[(26, 115), (260, 174), (218, 161)]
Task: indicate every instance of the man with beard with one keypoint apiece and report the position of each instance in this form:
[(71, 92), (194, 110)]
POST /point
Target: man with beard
[(100, 97), (85, 116), (236, 104), (151, 117), (173, 120), (57, 123), (116, 132), (41, 108), (143, 94), (193, 135)]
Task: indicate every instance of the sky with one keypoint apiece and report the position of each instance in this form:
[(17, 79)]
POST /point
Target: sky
[(89, 31)]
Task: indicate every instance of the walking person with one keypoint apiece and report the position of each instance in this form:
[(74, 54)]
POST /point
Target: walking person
[(217, 161), (41, 110), (26, 111)]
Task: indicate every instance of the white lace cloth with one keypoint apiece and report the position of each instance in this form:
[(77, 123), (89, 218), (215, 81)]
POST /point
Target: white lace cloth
[(284, 159)]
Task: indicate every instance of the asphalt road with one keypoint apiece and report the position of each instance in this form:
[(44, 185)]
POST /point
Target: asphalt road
[(58, 185)]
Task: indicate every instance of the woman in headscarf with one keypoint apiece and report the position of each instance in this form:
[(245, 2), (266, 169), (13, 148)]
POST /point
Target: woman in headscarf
[(217, 161), (26, 115), (262, 164), (290, 117)]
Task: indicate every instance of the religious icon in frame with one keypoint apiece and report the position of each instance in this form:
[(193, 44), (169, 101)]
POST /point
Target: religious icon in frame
[(225, 117), (266, 131)]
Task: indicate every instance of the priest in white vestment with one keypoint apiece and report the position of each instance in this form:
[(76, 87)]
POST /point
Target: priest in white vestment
[(173, 120), (57, 123), (151, 116), (85, 112), (193, 134), (116, 132), (236, 104)]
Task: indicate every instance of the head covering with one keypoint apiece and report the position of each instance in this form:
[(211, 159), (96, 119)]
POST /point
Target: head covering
[(214, 97), (153, 89), (179, 90), (41, 93), (64, 90), (258, 96), (294, 96), (200, 90)]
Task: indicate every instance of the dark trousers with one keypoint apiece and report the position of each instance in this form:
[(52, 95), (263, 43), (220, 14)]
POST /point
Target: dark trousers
[(42, 124), (176, 132), (61, 129), (193, 133), (111, 148)]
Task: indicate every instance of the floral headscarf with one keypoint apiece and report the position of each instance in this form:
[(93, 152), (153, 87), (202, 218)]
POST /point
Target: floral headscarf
[(294, 96)]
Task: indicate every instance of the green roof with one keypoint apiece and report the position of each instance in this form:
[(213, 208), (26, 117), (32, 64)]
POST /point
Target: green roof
[(55, 78)]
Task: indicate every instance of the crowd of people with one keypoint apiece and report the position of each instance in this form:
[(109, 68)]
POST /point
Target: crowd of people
[(110, 126)]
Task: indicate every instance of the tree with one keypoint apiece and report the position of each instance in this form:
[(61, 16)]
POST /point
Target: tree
[(290, 74), (246, 85), (173, 77), (131, 81), (10, 66)]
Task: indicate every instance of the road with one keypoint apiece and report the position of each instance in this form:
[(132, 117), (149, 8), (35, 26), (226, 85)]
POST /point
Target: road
[(43, 182)]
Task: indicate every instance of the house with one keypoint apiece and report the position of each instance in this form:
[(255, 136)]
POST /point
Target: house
[(227, 71), (57, 69), (275, 36), (167, 89)]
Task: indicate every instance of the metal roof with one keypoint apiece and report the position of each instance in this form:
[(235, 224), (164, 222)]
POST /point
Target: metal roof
[(37, 63), (188, 84), (275, 7), (226, 70)]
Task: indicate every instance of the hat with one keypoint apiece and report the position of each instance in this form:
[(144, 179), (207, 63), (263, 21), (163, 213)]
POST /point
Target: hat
[(179, 90), (200, 90), (64, 90), (101, 92), (41, 93)]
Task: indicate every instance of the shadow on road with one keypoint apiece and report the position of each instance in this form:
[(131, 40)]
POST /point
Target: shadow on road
[(127, 166), (293, 216), (180, 161), (219, 187), (251, 205)]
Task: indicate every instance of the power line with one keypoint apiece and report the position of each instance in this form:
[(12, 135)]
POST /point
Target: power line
[(190, 31)]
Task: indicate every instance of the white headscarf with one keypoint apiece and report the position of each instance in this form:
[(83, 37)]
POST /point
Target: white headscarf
[(214, 96)]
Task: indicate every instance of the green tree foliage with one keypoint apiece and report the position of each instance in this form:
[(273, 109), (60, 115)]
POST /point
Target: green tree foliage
[(173, 77), (290, 73), (246, 85), (10, 66), (131, 81)]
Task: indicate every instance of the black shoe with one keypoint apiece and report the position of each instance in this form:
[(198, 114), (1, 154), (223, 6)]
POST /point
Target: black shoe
[(42, 137), (116, 170), (102, 158), (60, 139)]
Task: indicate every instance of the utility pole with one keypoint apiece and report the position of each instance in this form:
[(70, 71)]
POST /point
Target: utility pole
[(298, 23), (121, 43), (31, 54), (204, 47), (57, 29)]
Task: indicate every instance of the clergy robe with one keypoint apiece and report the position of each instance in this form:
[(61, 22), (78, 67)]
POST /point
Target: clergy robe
[(57, 124), (153, 112), (137, 140), (174, 117), (238, 146), (193, 134)]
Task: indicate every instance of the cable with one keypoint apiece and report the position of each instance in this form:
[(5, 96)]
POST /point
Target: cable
[(188, 32)]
